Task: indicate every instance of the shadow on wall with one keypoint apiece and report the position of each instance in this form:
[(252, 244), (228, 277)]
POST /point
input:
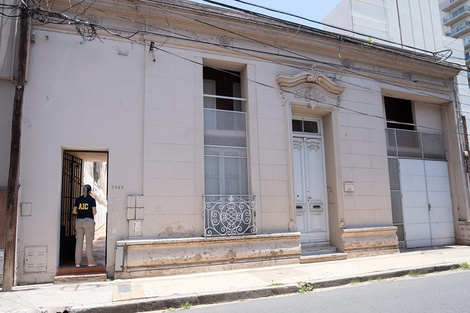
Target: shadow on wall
[(3, 207)]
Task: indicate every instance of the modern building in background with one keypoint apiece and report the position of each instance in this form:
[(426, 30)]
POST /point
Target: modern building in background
[(414, 25), (457, 23)]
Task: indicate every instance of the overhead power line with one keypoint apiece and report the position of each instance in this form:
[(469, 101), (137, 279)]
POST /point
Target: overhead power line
[(48, 16)]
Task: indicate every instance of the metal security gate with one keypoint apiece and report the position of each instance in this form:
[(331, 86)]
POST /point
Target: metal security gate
[(71, 189), (419, 188), (426, 203)]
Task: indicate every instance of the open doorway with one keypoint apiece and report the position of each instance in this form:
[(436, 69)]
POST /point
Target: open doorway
[(78, 169)]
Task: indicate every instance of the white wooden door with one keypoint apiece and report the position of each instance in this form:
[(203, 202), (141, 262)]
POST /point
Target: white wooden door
[(310, 189), (426, 202)]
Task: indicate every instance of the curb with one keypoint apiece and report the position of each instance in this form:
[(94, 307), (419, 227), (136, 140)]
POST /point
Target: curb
[(153, 304)]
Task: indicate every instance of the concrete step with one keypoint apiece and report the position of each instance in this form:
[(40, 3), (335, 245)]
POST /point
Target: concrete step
[(319, 251), (323, 257), (80, 278), (317, 248), (72, 274), (313, 245)]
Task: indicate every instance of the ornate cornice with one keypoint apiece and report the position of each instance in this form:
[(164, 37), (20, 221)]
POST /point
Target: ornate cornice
[(309, 88)]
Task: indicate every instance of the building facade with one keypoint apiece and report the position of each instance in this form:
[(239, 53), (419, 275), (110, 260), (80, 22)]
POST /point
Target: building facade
[(229, 139), (396, 22), (456, 23)]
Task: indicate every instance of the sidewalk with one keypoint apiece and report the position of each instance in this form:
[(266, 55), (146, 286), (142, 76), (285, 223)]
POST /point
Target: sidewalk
[(156, 293)]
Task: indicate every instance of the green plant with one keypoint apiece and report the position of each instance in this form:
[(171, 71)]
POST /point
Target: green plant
[(415, 274), (354, 281), (375, 279), (465, 266), (186, 306), (170, 309), (306, 287)]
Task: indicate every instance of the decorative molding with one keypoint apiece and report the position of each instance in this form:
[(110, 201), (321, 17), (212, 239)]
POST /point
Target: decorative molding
[(313, 144), (229, 215), (297, 142), (308, 89), (176, 256)]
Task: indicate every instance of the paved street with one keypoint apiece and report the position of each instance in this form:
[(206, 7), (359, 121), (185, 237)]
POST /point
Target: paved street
[(158, 293), (443, 292)]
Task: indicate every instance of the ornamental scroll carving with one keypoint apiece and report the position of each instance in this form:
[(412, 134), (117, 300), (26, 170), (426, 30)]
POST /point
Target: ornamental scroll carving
[(308, 89), (297, 142), (311, 95), (313, 144)]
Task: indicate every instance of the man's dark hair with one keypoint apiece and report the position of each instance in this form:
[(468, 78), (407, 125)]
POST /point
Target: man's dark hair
[(88, 189)]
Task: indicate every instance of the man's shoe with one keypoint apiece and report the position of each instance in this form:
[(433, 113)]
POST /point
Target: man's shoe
[(92, 265)]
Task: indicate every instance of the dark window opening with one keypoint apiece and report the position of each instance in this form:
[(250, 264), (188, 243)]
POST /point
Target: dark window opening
[(399, 113), (220, 87), (305, 126), (296, 125)]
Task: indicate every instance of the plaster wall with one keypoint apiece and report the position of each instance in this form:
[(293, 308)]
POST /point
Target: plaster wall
[(84, 97), (148, 115), (7, 94), (174, 145), (428, 117), (7, 39), (364, 156)]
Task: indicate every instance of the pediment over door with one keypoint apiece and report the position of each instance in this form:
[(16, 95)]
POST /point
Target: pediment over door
[(309, 90)]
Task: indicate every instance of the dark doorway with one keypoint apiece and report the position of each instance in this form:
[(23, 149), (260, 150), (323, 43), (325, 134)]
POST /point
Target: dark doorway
[(71, 189), (80, 168)]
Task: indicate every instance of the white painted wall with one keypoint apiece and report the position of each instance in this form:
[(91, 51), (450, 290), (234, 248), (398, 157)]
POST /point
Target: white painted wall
[(428, 117), (174, 143), (7, 39), (112, 96), (79, 97), (364, 155), (340, 16), (414, 23), (369, 17), (7, 94)]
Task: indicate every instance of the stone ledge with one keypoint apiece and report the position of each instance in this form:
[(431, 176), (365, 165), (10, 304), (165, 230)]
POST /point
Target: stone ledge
[(188, 255), (203, 240), (463, 236), (359, 242)]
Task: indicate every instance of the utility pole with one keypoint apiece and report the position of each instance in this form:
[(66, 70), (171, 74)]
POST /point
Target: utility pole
[(13, 174)]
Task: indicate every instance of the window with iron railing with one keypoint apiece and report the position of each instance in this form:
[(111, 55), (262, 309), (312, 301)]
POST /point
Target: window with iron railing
[(229, 209)]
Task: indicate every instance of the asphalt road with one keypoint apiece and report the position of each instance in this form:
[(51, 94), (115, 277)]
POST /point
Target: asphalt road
[(435, 293)]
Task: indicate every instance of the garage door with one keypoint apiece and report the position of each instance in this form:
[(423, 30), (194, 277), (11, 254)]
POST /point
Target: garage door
[(426, 203)]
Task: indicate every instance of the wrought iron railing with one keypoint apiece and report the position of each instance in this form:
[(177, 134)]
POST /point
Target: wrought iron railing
[(229, 215)]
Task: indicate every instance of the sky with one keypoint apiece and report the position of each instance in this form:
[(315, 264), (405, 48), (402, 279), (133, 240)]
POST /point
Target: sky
[(312, 9)]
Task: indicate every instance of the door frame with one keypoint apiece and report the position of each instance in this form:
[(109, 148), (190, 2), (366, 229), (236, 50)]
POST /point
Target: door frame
[(318, 136), (75, 152)]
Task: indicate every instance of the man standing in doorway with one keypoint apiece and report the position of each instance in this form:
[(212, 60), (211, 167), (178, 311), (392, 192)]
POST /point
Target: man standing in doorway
[(85, 209)]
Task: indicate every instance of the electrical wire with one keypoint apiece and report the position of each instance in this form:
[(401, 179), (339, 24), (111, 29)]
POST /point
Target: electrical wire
[(93, 28), (127, 37), (312, 21)]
